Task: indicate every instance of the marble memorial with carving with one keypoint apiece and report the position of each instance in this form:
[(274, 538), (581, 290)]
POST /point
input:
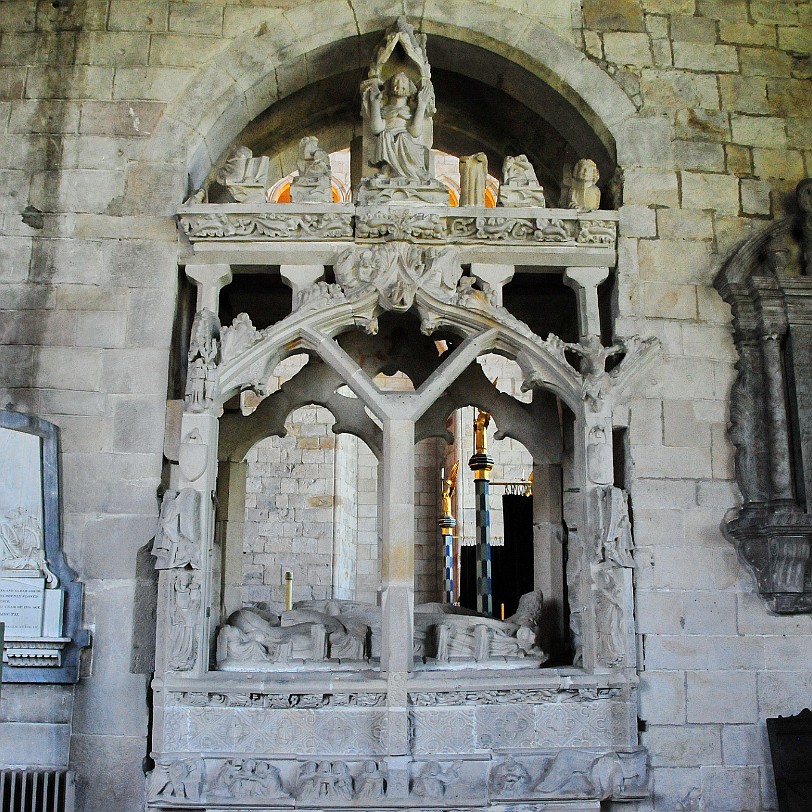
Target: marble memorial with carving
[(32, 598)]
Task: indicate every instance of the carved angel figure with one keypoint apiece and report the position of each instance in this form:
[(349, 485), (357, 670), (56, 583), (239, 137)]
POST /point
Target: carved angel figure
[(177, 537), (433, 782), (579, 189), (510, 778), (396, 114)]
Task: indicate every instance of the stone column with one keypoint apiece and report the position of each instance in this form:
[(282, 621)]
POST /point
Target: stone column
[(780, 464), (300, 277), (585, 281), (447, 525), (209, 280), (548, 554), (482, 464), (397, 564), (230, 532), (496, 276)]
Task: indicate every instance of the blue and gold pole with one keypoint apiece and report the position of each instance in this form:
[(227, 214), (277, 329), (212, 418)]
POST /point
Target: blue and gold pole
[(481, 464), (447, 524)]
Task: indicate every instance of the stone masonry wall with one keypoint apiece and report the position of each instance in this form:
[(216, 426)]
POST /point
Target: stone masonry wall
[(88, 292)]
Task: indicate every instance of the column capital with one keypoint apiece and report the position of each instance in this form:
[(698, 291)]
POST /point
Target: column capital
[(209, 280)]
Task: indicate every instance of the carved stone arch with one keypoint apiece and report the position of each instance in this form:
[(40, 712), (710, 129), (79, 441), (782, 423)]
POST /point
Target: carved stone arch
[(286, 51), (765, 283)]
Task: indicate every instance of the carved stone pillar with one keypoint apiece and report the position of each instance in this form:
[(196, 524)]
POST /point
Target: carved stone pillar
[(209, 280), (585, 281), (397, 565), (495, 276)]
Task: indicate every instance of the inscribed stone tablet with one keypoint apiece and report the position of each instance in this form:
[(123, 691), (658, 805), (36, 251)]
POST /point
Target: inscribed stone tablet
[(21, 601)]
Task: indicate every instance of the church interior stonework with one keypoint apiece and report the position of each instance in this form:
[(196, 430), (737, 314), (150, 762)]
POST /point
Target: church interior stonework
[(405, 404)]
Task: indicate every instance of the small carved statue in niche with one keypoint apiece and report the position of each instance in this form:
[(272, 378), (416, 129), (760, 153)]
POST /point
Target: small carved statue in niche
[(314, 182), (579, 189), (473, 179), (396, 114), (177, 538), (519, 185), (184, 618)]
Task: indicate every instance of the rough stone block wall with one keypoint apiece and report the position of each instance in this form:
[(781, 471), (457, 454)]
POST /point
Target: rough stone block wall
[(87, 293)]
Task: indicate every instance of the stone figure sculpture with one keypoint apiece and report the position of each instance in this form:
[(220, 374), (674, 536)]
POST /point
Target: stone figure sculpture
[(314, 181), (178, 779), (396, 114), (247, 778), (324, 781), (297, 634), (178, 535), (348, 630), (510, 777), (519, 185), (370, 784), (434, 780), (579, 188), (243, 177), (473, 179), (201, 377), (185, 601)]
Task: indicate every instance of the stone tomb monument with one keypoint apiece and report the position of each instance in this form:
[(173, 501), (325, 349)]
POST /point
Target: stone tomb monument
[(39, 604), (336, 704)]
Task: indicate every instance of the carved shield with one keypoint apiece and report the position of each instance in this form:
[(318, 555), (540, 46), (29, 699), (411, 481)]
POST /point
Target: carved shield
[(192, 459)]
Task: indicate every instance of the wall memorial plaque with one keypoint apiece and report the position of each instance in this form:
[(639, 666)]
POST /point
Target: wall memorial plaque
[(40, 602)]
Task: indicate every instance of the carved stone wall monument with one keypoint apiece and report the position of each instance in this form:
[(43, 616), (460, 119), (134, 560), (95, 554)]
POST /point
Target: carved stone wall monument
[(343, 705), (40, 603), (771, 409)]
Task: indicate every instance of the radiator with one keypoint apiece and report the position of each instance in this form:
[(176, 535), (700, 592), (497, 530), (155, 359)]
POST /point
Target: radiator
[(37, 791)]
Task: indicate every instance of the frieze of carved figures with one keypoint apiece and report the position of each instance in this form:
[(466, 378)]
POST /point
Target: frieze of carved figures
[(247, 779), (324, 782), (519, 185), (179, 780), (572, 773), (184, 619), (201, 376), (178, 535), (579, 188), (521, 696), (434, 780), (325, 225), (275, 701), (314, 183)]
